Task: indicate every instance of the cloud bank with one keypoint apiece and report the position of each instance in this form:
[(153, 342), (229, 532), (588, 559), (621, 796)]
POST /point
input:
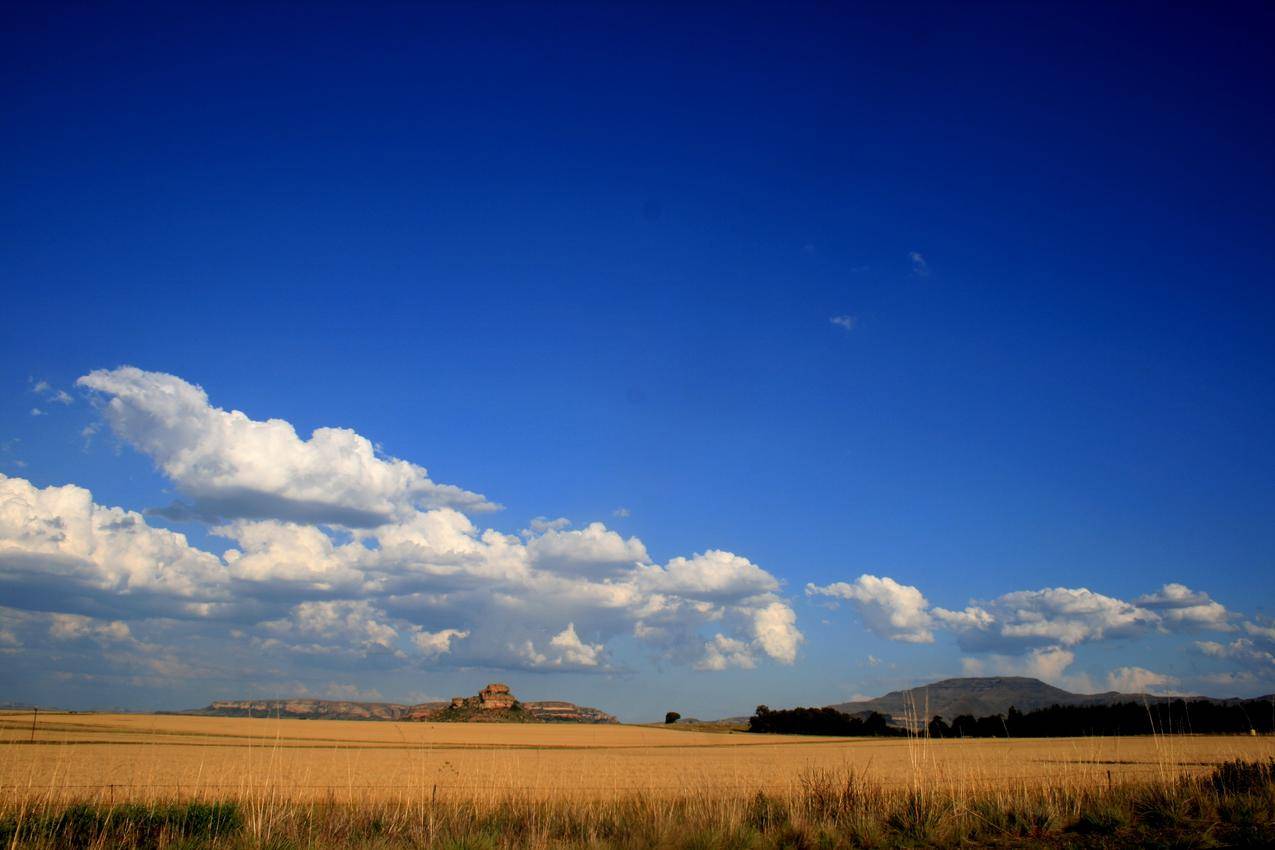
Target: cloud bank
[(342, 560), (340, 556), (1035, 632)]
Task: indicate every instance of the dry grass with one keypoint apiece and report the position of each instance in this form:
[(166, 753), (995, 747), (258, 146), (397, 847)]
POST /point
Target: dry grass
[(142, 757), (238, 783)]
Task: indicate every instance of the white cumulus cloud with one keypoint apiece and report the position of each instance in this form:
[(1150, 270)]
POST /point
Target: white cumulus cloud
[(1179, 605), (722, 653), (1139, 680), (237, 467), (57, 544), (343, 623), (1034, 632), (1047, 663), (1264, 631), (776, 633), (438, 643), (715, 574), (570, 651), (1065, 616), (432, 588), (889, 609), (592, 550), (1242, 650)]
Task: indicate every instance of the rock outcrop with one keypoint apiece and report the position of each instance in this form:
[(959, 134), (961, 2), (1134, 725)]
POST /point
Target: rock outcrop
[(493, 703), (496, 703), (494, 697)]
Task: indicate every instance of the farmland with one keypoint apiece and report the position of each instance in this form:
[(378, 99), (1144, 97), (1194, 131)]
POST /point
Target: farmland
[(143, 756), (306, 779)]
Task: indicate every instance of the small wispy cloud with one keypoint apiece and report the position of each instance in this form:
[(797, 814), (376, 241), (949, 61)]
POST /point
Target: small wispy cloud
[(46, 390), (621, 512), (920, 267), (847, 321), (89, 432), (35, 411)]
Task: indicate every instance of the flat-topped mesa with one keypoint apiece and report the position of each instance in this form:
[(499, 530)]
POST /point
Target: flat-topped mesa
[(551, 711)]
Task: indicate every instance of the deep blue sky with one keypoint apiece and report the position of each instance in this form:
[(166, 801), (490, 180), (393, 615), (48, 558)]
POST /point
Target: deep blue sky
[(584, 256)]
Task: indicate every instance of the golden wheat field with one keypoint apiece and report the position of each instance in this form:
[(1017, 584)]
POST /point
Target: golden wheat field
[(137, 757)]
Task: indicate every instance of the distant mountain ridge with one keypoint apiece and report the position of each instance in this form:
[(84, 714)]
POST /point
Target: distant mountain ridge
[(305, 709), (988, 695), (493, 704)]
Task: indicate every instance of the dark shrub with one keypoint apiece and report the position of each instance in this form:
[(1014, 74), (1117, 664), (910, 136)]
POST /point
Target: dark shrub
[(1100, 819), (1242, 777)]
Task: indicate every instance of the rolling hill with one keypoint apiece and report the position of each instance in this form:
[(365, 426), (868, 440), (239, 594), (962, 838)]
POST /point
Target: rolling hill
[(982, 696)]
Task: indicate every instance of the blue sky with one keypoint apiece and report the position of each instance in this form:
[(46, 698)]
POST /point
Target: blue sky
[(586, 262)]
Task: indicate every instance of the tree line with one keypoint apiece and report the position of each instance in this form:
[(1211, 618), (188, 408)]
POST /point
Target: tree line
[(1124, 718), (1058, 721), (820, 721)]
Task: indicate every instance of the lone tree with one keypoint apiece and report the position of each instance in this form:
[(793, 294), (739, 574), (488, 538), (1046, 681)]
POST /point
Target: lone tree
[(672, 717)]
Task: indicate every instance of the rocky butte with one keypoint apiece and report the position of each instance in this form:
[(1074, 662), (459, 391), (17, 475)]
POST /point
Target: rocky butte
[(497, 704), (493, 704)]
